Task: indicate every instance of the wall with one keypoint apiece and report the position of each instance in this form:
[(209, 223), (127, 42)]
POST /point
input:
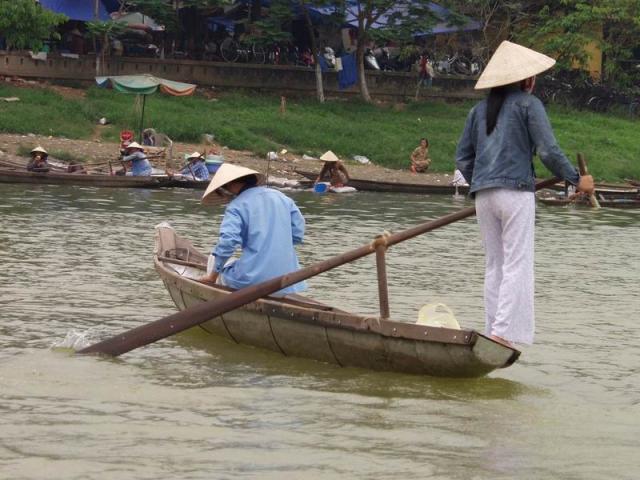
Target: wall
[(277, 78)]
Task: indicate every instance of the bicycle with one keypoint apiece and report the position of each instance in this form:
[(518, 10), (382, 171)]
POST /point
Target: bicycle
[(233, 51)]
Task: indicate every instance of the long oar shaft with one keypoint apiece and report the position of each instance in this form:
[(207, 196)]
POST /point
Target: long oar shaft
[(177, 322)]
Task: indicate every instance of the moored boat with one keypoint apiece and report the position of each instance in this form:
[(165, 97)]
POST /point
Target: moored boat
[(396, 187), (608, 202), (8, 175), (13, 175), (298, 326)]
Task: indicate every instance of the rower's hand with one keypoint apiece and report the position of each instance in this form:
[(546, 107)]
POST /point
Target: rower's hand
[(209, 278), (586, 185)]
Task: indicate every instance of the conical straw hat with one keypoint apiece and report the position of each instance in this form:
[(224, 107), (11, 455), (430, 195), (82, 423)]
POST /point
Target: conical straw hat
[(134, 145), (227, 173), (329, 156), (39, 149), (194, 155), (511, 63)]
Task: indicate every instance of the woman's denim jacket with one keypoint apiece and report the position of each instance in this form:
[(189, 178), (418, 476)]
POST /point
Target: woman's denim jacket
[(504, 158)]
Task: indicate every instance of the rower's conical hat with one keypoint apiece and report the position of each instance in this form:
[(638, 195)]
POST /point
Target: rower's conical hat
[(329, 156), (195, 155), (39, 149), (227, 173), (134, 145), (511, 63)]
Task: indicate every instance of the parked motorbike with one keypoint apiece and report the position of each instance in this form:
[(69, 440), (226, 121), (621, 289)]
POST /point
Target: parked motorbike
[(370, 60), (329, 56)]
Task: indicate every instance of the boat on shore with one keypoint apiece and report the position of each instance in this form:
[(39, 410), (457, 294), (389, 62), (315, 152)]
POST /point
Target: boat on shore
[(13, 175), (583, 201), (298, 326), (610, 190), (396, 187)]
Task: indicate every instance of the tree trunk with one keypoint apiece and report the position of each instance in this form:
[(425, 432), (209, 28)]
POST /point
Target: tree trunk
[(315, 52), (319, 84), (362, 78)]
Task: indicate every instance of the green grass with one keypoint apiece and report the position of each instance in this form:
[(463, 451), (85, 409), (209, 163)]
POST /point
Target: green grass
[(385, 134)]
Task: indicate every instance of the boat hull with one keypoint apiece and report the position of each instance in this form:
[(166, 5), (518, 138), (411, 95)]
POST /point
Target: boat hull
[(94, 180), (396, 187), (304, 328), (54, 178), (608, 203)]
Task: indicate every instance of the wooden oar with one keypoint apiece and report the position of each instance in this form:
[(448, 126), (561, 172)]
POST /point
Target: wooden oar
[(582, 166), (202, 312)]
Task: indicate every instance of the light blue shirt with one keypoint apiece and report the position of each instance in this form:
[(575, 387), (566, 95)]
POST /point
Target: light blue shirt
[(140, 166), (266, 224)]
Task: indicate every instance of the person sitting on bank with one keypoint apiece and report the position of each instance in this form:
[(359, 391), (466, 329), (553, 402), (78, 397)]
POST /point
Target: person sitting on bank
[(137, 161), (263, 222), (196, 168), (38, 162), (333, 171), (420, 160)]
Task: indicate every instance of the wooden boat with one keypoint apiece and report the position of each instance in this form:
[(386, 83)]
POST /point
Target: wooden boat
[(297, 326), (396, 187), (13, 175), (8, 175), (584, 201)]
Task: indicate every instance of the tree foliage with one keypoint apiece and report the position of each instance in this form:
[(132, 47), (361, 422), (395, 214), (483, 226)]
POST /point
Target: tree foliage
[(25, 25), (383, 20)]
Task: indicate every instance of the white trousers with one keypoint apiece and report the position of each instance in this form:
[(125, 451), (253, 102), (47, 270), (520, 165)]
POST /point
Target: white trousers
[(507, 221)]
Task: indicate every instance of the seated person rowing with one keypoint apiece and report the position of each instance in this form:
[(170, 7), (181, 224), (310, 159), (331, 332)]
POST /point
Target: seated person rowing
[(38, 162), (264, 223), (196, 168), (137, 161), (333, 171)]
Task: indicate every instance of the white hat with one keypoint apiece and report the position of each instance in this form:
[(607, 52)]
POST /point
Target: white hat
[(40, 150), (511, 63), (194, 155), (134, 145), (227, 173), (329, 156)]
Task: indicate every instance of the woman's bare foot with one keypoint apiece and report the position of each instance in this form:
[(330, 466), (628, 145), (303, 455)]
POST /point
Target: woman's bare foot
[(501, 340)]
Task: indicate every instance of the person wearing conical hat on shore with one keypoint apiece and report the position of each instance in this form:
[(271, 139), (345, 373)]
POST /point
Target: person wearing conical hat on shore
[(333, 171), (196, 168), (38, 161), (262, 222), (495, 156)]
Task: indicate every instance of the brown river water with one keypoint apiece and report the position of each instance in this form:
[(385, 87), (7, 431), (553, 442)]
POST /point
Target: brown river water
[(76, 263)]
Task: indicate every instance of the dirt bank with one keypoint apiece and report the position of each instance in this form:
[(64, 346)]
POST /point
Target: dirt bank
[(94, 151)]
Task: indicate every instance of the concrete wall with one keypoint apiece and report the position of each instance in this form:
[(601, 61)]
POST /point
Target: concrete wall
[(276, 78)]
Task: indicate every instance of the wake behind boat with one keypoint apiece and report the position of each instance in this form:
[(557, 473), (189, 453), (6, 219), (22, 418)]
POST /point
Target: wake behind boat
[(298, 326)]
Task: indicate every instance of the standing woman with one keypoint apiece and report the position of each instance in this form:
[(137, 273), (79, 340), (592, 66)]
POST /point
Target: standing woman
[(495, 156)]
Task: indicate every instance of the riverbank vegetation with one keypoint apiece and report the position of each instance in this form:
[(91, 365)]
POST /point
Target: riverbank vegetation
[(386, 134)]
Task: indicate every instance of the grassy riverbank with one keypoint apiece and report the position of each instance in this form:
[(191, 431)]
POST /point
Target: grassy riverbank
[(385, 134)]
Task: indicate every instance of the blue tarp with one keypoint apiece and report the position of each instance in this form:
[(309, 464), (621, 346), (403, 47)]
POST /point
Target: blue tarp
[(216, 24), (76, 9), (438, 11), (348, 76)]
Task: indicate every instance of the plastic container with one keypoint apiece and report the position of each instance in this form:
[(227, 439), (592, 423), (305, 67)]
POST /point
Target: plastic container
[(321, 187), (213, 162), (437, 315)]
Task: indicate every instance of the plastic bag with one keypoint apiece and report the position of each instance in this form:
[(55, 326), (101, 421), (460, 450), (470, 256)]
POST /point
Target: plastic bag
[(437, 315)]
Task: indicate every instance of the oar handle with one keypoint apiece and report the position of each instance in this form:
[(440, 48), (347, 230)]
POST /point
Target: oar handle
[(200, 313)]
